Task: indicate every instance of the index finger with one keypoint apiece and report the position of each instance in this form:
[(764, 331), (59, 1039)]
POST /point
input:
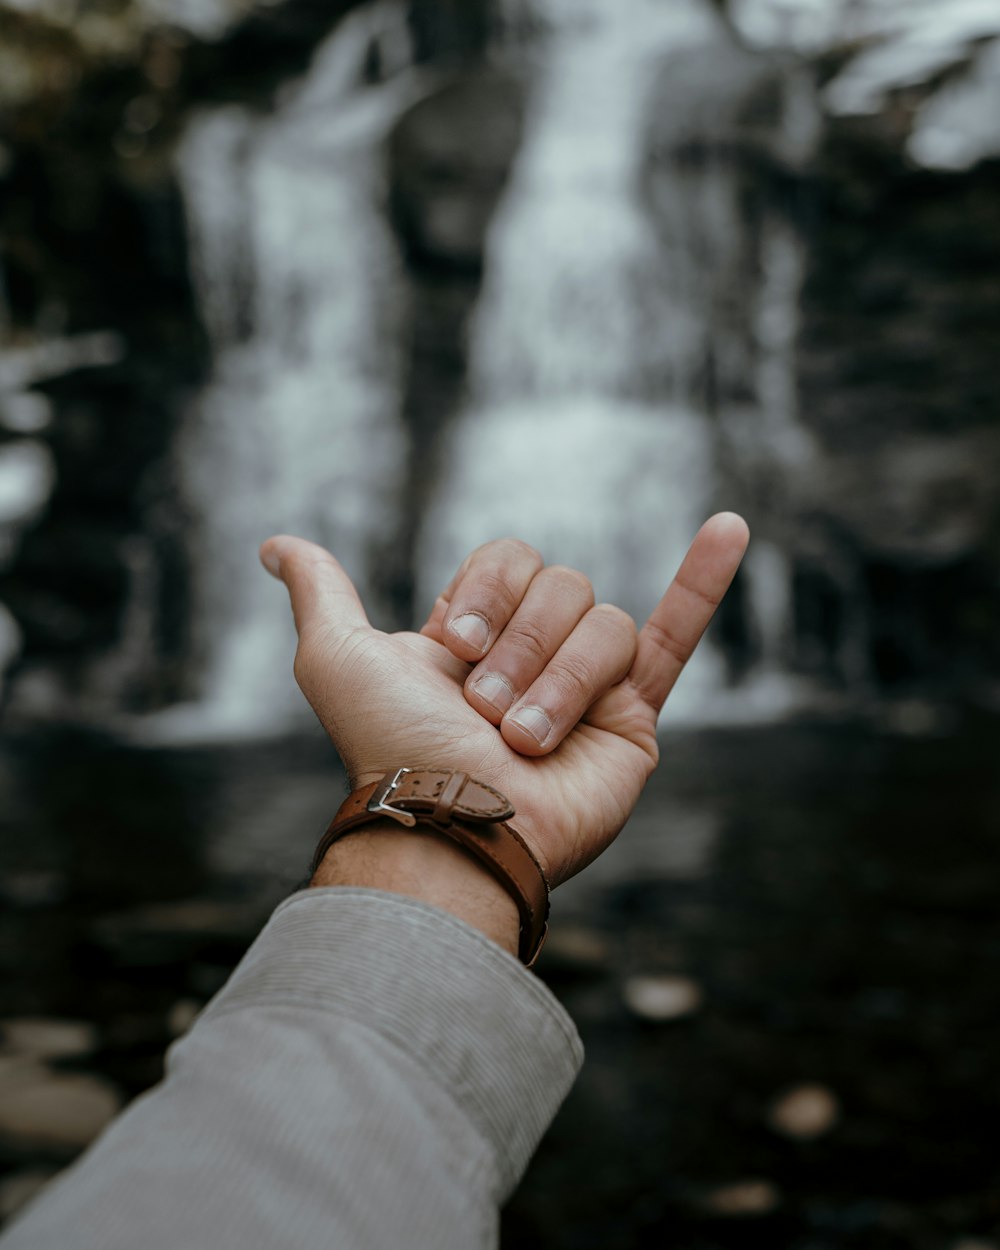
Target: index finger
[(484, 594), (676, 624)]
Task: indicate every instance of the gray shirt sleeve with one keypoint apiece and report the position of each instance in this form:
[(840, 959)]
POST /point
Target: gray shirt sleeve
[(374, 1074)]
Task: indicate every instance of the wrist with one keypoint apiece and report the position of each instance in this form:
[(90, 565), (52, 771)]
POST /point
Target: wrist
[(424, 865)]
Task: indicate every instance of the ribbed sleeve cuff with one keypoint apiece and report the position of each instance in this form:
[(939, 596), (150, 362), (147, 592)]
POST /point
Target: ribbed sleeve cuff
[(471, 1016)]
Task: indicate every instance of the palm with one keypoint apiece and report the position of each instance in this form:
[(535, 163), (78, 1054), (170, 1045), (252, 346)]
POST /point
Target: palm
[(570, 804)]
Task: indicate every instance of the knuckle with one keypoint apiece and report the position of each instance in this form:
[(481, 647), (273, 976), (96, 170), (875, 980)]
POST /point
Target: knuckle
[(576, 680), (528, 637), (496, 572), (517, 549), (492, 586), (665, 641), (699, 592), (615, 619), (571, 581)]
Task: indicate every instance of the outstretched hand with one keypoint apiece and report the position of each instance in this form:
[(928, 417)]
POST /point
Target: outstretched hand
[(517, 678)]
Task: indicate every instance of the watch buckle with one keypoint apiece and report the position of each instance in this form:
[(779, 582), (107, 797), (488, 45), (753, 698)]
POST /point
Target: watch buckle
[(379, 803)]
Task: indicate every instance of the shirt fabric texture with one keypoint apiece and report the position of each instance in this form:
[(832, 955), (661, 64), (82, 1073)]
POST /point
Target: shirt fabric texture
[(374, 1074)]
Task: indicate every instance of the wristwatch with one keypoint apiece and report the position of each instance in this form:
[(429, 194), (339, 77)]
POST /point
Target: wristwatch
[(470, 812)]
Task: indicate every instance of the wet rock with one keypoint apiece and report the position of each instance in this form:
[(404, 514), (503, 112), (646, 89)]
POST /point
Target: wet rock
[(32, 888), (11, 1066), (662, 997), (752, 1197), (805, 1112), (928, 500), (731, 100), (164, 933), (41, 1109), (916, 718), (39, 694), (18, 1189), (575, 948), (48, 1038)]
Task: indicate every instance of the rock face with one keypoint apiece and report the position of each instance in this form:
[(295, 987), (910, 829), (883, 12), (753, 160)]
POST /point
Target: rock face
[(449, 156), (851, 381), (896, 386)]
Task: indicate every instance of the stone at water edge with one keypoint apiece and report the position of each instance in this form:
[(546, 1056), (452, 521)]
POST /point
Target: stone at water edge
[(41, 1109), (573, 946), (662, 996), (44, 1037), (743, 1198), (805, 1112)]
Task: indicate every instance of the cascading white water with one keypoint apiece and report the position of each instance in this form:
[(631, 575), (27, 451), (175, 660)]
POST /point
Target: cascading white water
[(581, 434), (298, 429), (586, 428)]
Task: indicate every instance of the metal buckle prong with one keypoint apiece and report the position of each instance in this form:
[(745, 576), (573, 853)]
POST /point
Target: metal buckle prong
[(378, 802)]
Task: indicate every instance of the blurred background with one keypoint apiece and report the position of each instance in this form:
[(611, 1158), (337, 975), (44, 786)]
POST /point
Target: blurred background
[(402, 277)]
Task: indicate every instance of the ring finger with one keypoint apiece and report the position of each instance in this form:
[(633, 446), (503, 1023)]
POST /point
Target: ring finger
[(595, 657)]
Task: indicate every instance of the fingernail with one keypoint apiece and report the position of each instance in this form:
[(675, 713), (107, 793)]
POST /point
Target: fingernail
[(473, 629), (533, 721), (272, 562), (496, 690)]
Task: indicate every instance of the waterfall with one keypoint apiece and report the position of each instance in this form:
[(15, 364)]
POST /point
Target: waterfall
[(768, 571), (582, 432), (588, 426), (27, 476), (28, 472), (298, 427)]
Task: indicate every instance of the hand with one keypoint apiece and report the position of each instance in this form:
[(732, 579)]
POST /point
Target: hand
[(516, 679)]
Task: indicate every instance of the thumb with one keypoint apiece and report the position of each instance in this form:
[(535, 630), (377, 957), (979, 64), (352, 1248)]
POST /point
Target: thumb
[(320, 590)]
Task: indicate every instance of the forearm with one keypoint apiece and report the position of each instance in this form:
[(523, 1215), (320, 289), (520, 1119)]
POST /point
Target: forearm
[(375, 1073), (424, 865)]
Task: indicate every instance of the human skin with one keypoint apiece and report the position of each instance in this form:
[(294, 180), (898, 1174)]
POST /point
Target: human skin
[(518, 679)]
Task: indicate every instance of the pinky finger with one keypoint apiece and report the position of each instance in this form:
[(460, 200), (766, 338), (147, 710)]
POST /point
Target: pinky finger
[(434, 625)]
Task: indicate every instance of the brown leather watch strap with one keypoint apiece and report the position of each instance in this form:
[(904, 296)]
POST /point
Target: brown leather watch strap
[(470, 812)]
